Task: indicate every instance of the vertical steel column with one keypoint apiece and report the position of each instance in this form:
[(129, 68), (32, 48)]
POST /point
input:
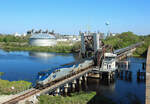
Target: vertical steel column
[(96, 42), (82, 44)]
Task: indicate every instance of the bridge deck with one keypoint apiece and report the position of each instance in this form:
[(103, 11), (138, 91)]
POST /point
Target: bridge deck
[(148, 77), (70, 79), (25, 97)]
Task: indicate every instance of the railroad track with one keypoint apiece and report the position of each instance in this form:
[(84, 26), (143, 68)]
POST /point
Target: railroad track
[(34, 91), (21, 97)]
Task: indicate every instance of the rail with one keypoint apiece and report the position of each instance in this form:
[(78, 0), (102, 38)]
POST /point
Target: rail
[(122, 50), (67, 80), (46, 89)]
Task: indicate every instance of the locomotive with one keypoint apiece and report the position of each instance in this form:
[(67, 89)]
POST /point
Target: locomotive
[(55, 74)]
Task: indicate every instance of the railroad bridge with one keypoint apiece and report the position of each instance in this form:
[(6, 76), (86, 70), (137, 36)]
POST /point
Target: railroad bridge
[(92, 46)]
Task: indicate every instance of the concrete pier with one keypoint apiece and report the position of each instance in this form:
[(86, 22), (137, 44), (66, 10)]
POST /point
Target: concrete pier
[(141, 75), (57, 91), (80, 80), (66, 88), (74, 84)]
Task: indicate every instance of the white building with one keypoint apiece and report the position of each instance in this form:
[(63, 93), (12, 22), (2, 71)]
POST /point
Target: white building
[(24, 34), (16, 34), (42, 40)]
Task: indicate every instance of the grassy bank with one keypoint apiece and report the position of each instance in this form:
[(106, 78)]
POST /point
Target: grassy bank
[(11, 43), (59, 48), (1, 73), (128, 38), (75, 98), (13, 87)]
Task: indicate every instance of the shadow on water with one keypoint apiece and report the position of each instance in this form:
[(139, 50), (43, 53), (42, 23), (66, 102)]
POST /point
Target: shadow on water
[(109, 92), (121, 90), (99, 98)]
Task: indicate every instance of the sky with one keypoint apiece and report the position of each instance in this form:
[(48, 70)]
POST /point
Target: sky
[(70, 16)]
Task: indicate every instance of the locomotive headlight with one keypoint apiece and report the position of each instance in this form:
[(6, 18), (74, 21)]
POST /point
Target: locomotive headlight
[(40, 77)]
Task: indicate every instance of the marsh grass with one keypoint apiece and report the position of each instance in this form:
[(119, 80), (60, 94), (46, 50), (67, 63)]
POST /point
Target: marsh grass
[(1, 74), (13, 87), (61, 47), (75, 98)]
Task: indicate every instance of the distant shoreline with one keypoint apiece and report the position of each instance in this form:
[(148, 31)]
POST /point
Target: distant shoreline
[(62, 48)]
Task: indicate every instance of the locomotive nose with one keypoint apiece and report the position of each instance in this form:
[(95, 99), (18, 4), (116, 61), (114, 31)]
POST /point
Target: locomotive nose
[(40, 82)]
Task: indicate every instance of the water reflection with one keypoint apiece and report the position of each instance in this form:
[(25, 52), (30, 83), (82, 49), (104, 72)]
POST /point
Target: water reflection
[(101, 85), (42, 55), (24, 65)]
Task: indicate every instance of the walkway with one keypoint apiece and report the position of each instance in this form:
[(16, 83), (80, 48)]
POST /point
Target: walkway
[(148, 77)]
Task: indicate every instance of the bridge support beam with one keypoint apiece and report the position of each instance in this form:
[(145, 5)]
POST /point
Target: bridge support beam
[(74, 84), (57, 91), (130, 75), (82, 44), (66, 88), (80, 80), (108, 75), (96, 42), (85, 77)]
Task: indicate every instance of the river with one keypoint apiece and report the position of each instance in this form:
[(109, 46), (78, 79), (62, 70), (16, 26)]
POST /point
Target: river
[(22, 65), (25, 65)]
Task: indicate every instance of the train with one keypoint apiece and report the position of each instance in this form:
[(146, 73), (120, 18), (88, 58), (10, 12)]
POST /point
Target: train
[(119, 51), (55, 74), (59, 73)]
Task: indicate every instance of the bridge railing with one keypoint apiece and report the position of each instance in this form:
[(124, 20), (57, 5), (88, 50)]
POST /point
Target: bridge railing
[(148, 77)]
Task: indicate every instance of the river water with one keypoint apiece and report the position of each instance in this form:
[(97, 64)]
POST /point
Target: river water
[(26, 65), (22, 65)]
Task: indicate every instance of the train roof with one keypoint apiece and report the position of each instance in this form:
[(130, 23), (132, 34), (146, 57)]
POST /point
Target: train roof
[(76, 63)]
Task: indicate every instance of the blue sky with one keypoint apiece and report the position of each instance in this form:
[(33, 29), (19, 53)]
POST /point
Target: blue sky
[(70, 16)]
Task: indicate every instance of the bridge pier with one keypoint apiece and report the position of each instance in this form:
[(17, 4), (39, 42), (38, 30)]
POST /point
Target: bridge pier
[(141, 75), (74, 84), (57, 91), (130, 75), (126, 74), (80, 80), (121, 75), (66, 88), (85, 77), (109, 75), (143, 65)]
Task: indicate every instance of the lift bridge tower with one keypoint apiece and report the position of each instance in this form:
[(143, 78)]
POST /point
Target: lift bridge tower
[(92, 46)]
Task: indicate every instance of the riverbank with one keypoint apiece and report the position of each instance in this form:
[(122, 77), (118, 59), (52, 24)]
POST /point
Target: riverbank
[(75, 98), (128, 38), (12, 43), (61, 47), (13, 87), (1, 73)]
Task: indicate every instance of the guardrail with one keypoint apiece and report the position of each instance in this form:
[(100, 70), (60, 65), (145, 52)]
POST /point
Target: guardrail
[(148, 77)]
